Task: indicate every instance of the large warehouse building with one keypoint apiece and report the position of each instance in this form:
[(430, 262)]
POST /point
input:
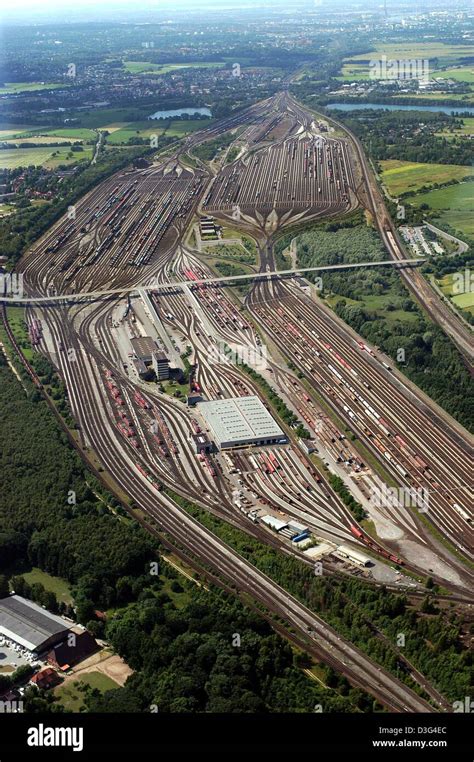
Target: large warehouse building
[(240, 421), (29, 625)]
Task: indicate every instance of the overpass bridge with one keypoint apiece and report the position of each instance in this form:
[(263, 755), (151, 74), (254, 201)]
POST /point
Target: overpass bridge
[(178, 285)]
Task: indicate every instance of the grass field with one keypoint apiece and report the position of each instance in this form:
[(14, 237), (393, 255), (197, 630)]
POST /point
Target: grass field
[(352, 72), (72, 698), (39, 140), (460, 74), (142, 67), (466, 129), (357, 67), (25, 157), (19, 87), (463, 301), (12, 130), (100, 118), (16, 318), (455, 204), (126, 130), (403, 176), (56, 585), (466, 98), (77, 133), (396, 50), (377, 305), (183, 127), (134, 130)]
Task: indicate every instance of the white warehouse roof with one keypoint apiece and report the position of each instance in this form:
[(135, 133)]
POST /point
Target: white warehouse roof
[(273, 522), (239, 421), (28, 624)]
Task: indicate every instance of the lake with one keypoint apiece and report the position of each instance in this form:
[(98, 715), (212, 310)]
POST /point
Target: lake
[(179, 112), (390, 107)]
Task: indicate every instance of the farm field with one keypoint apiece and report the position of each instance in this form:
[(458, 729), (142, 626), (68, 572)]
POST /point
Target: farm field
[(455, 204), (403, 176), (440, 50), (38, 139), (134, 130), (143, 67), (101, 118), (19, 87), (466, 98), (12, 130), (76, 133), (25, 157), (463, 301), (351, 72), (460, 74), (146, 128), (183, 127), (357, 67)]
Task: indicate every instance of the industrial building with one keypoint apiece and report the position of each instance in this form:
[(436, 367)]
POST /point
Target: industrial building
[(201, 443), (29, 625), (207, 227), (144, 347), (346, 553), (240, 421), (160, 364)]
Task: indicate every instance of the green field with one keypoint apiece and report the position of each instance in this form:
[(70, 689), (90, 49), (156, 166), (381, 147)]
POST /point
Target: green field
[(14, 130), (352, 72), (466, 99), (460, 74), (39, 140), (56, 585), (100, 118), (404, 50), (403, 176), (183, 127), (72, 698), (19, 87), (134, 130), (77, 133), (25, 157), (466, 129), (357, 67), (455, 204), (463, 301), (142, 67)]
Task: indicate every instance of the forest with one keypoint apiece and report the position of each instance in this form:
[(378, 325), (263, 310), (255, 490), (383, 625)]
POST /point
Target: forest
[(369, 617), (411, 136)]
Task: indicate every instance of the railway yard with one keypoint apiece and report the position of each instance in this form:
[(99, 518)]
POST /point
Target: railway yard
[(368, 425)]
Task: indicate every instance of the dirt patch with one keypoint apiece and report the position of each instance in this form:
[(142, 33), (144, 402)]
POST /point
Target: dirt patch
[(106, 663)]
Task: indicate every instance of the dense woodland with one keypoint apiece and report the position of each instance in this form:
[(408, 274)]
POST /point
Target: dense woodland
[(411, 136), (371, 618)]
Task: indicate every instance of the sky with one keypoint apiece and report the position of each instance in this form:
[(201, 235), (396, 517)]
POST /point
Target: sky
[(31, 11)]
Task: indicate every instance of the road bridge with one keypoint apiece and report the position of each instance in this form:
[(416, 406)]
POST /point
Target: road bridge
[(92, 295)]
